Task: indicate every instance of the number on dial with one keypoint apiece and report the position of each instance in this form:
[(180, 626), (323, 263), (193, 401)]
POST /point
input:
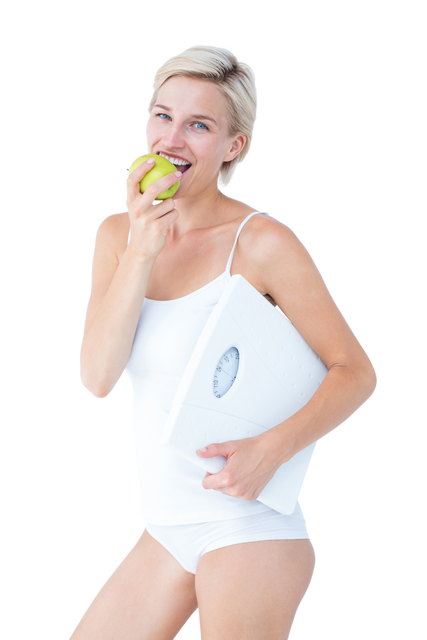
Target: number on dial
[(226, 372)]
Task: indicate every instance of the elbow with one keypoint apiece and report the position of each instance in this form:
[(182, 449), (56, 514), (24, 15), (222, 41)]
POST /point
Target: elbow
[(369, 378), (97, 393), (94, 376), (372, 380), (98, 388)]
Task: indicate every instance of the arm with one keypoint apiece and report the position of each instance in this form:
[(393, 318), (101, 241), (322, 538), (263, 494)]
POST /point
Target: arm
[(118, 291), (292, 279), (344, 390)]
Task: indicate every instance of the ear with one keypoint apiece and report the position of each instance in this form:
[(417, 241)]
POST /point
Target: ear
[(236, 146)]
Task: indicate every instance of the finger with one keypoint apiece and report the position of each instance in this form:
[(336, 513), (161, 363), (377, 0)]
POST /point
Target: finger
[(133, 179), (162, 184), (160, 210)]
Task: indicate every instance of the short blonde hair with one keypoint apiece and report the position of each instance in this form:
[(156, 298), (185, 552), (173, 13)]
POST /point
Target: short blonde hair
[(235, 80)]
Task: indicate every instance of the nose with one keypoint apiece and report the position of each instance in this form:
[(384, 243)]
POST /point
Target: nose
[(173, 137)]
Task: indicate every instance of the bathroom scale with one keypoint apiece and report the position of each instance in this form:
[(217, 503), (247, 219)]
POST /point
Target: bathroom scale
[(249, 371)]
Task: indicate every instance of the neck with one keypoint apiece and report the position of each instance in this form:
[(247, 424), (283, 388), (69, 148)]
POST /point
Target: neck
[(199, 211)]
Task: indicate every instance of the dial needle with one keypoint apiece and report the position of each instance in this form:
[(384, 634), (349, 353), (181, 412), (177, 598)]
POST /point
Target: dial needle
[(232, 377)]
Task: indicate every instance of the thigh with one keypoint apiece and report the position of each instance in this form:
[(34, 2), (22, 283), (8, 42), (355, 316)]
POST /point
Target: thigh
[(252, 590), (148, 597)]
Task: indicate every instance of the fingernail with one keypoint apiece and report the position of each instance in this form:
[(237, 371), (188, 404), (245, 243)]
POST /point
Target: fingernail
[(151, 160), (204, 449), (177, 174)]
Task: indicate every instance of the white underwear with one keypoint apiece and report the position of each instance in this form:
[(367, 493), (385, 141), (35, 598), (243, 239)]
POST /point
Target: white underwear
[(188, 542)]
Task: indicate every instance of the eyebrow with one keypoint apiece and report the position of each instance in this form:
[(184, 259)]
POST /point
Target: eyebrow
[(199, 116)]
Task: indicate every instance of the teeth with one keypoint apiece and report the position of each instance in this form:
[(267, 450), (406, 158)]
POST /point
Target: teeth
[(173, 160)]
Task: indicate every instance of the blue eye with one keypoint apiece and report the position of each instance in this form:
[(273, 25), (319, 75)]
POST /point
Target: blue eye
[(165, 114)]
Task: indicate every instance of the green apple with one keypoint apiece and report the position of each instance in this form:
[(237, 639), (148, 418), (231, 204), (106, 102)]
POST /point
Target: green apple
[(160, 169)]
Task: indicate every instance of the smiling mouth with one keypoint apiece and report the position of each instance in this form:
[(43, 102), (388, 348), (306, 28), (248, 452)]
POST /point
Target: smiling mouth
[(181, 165)]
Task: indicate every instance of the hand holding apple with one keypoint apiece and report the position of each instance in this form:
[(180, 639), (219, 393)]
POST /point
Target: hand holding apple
[(149, 222), (161, 168)]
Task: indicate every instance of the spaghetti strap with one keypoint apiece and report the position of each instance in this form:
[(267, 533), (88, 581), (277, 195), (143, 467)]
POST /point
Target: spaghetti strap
[(228, 267), (129, 235)]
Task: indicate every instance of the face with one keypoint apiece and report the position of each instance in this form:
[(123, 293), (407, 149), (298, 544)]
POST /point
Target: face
[(189, 123)]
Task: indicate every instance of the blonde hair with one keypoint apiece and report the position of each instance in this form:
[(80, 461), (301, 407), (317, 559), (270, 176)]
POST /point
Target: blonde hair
[(234, 79)]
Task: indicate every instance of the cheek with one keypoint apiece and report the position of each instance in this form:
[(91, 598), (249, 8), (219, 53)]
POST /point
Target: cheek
[(208, 151), (150, 132)]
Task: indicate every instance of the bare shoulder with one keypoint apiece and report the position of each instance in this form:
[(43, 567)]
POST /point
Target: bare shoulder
[(278, 253), (113, 233), (265, 236), (116, 220), (265, 228), (270, 222), (269, 246)]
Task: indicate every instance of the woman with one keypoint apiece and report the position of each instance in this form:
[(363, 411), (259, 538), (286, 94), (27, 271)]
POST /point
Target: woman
[(158, 271)]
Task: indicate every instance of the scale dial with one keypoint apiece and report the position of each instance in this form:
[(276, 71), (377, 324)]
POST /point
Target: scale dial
[(225, 372)]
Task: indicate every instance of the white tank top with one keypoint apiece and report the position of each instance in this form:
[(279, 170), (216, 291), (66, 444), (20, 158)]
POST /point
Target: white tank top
[(166, 334)]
